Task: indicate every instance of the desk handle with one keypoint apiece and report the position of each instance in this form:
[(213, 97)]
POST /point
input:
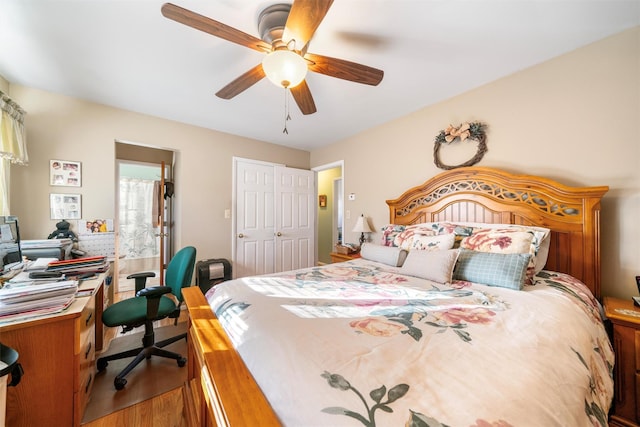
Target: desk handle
[(86, 353), (89, 317)]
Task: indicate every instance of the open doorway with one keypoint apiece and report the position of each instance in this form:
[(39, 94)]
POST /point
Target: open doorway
[(143, 213), (329, 179), (138, 227)]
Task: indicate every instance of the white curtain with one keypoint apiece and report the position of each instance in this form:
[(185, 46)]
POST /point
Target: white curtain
[(137, 226), (13, 145)]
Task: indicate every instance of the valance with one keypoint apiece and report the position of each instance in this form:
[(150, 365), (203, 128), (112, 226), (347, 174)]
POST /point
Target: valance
[(13, 142)]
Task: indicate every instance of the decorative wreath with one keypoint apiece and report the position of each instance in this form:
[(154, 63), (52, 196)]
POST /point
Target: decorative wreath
[(473, 131)]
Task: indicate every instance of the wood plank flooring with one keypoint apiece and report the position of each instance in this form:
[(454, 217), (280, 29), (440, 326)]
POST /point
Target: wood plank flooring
[(165, 410)]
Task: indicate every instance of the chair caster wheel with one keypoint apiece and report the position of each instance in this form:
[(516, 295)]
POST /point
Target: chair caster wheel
[(102, 365), (119, 383), (182, 361)]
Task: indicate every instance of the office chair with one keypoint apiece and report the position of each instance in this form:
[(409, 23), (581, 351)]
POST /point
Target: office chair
[(150, 304)]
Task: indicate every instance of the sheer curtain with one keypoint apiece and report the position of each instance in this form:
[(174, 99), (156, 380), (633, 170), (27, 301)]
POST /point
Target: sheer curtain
[(13, 145), (138, 228)]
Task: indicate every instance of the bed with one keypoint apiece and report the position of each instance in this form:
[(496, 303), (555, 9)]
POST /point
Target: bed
[(420, 331)]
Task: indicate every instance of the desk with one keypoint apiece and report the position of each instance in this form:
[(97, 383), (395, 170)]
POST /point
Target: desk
[(57, 353)]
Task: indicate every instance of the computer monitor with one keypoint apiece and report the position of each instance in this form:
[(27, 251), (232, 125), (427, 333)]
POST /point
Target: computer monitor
[(10, 253)]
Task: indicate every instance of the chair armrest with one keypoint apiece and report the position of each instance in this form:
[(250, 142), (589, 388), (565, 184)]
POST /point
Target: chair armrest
[(153, 295), (141, 279), (153, 291)]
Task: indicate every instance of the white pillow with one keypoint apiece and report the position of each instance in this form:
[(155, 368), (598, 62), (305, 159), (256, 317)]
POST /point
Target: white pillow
[(436, 266), (389, 255)]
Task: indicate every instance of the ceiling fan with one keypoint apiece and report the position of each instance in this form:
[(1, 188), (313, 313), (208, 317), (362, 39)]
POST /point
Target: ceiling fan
[(286, 31)]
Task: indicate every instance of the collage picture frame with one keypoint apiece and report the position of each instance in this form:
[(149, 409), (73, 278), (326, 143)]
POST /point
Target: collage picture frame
[(65, 173)]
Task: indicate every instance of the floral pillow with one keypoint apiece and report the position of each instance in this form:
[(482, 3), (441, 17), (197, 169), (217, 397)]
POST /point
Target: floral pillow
[(405, 239), (460, 231), (499, 240), (389, 234), (540, 241), (424, 242)]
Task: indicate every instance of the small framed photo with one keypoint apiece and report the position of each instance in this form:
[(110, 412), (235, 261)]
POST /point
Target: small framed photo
[(322, 200), (66, 206), (65, 173)]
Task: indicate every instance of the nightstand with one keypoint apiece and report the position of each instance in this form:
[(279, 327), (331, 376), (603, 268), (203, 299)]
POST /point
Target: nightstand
[(336, 257), (625, 318)]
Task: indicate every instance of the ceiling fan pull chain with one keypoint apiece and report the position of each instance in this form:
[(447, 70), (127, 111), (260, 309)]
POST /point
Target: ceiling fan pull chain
[(287, 116)]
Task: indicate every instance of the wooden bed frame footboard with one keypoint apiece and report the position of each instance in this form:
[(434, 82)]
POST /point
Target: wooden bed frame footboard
[(222, 392)]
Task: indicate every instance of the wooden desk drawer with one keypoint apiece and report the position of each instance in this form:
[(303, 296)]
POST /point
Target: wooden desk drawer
[(82, 395), (87, 320), (85, 345)]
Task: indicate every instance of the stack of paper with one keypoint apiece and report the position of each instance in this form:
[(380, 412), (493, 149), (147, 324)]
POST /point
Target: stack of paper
[(45, 243), (94, 264), (19, 301)]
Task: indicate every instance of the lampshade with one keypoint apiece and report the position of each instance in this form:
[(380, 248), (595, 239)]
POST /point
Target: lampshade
[(284, 68), (362, 226)]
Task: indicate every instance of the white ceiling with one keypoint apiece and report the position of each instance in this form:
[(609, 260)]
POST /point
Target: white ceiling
[(125, 54)]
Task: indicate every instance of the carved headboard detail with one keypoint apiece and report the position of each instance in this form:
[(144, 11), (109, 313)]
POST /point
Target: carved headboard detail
[(479, 194)]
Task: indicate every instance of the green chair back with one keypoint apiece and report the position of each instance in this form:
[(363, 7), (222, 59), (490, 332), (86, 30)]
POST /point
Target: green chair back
[(180, 270)]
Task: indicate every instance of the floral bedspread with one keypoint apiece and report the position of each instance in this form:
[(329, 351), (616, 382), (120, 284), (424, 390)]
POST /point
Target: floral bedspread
[(358, 343)]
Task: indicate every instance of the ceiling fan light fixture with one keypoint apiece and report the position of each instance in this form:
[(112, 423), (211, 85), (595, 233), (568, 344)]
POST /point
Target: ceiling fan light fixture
[(284, 68)]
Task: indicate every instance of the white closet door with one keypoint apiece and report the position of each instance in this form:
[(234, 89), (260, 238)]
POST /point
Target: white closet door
[(295, 218), (275, 219), (255, 225)]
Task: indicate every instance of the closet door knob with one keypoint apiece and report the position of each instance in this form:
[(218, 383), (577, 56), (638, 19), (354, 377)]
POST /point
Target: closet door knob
[(240, 236), (278, 234)]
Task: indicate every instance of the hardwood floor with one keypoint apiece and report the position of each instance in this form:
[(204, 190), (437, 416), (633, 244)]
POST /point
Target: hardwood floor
[(165, 410)]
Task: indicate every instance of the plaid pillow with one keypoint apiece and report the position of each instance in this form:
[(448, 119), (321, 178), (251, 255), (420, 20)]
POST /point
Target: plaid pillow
[(493, 269)]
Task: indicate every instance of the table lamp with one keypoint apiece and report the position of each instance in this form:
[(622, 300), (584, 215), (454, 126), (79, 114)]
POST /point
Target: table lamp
[(362, 226)]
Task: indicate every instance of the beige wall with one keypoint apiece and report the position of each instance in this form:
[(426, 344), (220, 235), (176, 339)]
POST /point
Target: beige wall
[(65, 128), (574, 118), (4, 85)]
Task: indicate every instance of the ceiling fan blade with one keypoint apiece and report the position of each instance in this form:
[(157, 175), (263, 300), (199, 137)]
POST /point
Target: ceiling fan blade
[(303, 98), (345, 70), (242, 83), (208, 25), (304, 18)]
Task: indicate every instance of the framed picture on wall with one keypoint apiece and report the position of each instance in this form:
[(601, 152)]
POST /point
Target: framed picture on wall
[(65, 173), (66, 206)]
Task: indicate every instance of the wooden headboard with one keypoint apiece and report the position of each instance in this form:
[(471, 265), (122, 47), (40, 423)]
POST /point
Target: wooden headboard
[(478, 194)]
